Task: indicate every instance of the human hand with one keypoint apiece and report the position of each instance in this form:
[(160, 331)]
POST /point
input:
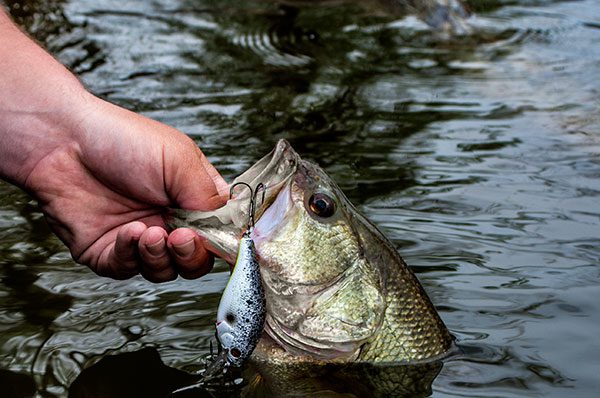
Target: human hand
[(103, 191), (102, 175)]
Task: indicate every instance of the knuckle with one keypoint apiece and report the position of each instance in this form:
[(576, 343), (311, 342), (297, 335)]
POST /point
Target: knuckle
[(122, 269), (187, 263), (165, 275), (156, 267), (196, 267)]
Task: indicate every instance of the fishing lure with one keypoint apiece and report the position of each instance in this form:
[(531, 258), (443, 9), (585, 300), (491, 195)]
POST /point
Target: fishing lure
[(242, 309), (241, 313)]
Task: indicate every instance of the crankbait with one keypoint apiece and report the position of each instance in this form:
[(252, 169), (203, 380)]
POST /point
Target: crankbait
[(241, 313), (242, 309)]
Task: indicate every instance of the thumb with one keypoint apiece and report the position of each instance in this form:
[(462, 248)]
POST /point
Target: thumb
[(220, 184)]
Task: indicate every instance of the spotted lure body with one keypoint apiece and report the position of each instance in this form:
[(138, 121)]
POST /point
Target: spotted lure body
[(242, 309), (240, 316)]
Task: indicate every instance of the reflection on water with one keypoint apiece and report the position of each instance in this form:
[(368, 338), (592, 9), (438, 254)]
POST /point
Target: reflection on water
[(268, 379), (142, 373), (478, 157), (131, 374)]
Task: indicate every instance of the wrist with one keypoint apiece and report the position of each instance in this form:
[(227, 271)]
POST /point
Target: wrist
[(29, 135), (38, 106)]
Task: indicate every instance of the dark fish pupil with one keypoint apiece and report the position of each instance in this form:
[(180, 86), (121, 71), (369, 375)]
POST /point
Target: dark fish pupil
[(321, 205)]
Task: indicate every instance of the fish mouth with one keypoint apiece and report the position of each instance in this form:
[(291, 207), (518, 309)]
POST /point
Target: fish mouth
[(274, 171), (273, 216), (223, 227)]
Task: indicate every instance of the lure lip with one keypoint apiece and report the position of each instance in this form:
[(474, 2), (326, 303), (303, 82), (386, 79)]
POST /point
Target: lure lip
[(225, 333)]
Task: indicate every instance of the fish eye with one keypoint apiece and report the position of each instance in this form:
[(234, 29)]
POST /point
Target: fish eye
[(230, 318), (321, 205)]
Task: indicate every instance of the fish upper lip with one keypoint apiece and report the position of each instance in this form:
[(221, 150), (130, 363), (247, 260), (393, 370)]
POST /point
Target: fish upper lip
[(272, 217)]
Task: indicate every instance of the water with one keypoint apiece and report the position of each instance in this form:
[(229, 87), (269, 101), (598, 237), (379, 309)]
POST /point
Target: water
[(478, 157)]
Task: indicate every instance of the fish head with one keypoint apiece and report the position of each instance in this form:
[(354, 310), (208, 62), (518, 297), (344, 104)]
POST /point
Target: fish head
[(335, 287), (325, 297)]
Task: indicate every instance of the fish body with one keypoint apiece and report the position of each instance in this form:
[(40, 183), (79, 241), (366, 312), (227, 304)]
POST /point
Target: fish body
[(336, 288), (242, 309)]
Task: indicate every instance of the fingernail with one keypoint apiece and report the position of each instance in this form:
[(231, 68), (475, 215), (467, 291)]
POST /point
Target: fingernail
[(185, 249), (157, 247)]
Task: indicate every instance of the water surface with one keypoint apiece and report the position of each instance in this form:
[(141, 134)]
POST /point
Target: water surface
[(478, 156)]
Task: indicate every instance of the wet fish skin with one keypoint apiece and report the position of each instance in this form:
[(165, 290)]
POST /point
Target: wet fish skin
[(336, 288)]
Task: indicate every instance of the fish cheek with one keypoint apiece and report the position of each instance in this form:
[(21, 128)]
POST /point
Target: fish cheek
[(350, 312), (308, 253)]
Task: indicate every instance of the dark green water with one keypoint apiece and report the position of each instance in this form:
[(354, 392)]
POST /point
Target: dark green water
[(478, 156)]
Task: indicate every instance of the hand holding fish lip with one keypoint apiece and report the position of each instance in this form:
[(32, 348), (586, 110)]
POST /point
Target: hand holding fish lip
[(223, 227)]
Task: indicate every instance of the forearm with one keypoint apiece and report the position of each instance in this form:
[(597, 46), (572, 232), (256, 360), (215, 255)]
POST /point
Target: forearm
[(38, 98), (101, 174)]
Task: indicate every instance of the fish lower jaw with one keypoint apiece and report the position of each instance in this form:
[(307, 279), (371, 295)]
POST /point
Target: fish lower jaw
[(268, 351), (298, 346)]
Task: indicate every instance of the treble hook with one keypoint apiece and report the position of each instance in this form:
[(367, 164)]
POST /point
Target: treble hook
[(253, 195)]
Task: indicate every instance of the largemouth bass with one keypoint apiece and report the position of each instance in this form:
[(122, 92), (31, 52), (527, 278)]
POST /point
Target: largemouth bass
[(336, 289)]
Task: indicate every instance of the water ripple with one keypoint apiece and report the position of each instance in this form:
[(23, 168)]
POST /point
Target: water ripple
[(477, 156)]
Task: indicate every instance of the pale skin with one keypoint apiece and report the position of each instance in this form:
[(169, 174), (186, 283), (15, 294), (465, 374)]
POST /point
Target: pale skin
[(102, 175)]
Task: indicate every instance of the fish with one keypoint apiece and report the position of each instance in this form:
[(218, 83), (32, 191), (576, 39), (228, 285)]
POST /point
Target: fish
[(336, 289)]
